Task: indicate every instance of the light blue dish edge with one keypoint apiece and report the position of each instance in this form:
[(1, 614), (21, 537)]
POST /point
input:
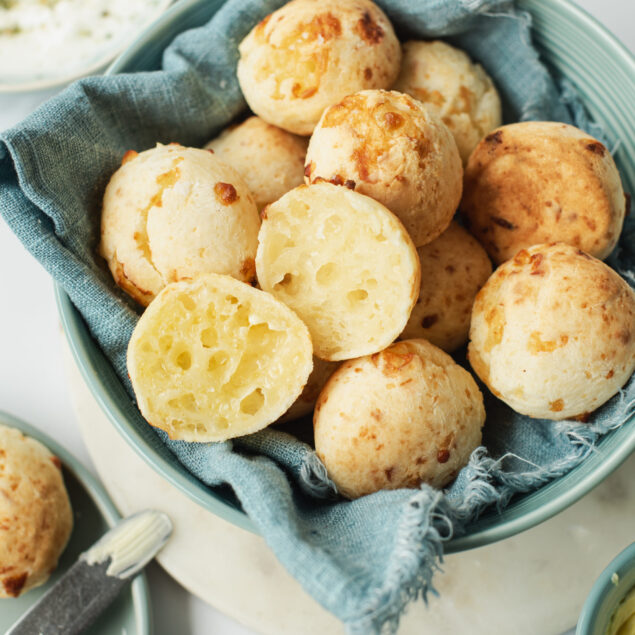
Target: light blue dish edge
[(78, 341), (99, 496), (607, 595)]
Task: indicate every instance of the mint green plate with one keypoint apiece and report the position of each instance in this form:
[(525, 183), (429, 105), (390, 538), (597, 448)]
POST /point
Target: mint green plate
[(613, 585), (93, 515), (573, 45)]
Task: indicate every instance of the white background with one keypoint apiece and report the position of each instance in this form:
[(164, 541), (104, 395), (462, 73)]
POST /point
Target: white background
[(32, 382)]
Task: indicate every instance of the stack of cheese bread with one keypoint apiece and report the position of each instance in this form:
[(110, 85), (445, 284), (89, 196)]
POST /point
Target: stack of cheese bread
[(321, 230)]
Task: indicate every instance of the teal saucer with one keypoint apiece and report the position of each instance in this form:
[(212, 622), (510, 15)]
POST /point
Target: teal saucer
[(613, 585), (93, 514)]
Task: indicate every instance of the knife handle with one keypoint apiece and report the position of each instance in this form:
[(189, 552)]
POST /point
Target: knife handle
[(57, 613)]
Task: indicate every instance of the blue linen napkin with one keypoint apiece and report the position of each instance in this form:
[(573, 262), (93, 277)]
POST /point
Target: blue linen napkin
[(362, 560)]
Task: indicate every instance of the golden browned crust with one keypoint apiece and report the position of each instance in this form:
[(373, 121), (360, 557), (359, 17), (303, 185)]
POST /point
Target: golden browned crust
[(453, 269), (170, 213), (538, 182), (447, 82), (307, 56), (35, 513), (270, 160), (386, 145), (401, 417), (553, 332)]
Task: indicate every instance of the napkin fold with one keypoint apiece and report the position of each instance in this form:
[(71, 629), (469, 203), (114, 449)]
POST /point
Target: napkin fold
[(362, 560)]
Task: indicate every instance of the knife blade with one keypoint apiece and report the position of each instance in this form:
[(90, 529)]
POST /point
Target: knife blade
[(95, 580)]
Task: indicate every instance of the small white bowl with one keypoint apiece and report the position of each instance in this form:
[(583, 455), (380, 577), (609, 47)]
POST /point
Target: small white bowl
[(93, 64)]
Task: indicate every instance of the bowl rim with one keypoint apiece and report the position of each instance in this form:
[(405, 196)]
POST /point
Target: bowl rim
[(139, 587), (79, 340), (108, 55), (624, 561)]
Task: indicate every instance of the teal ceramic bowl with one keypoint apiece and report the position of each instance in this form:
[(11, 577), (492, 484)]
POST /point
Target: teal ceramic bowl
[(573, 45), (613, 585), (93, 515)]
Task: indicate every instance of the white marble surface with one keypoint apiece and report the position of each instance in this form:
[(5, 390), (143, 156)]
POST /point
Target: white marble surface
[(33, 385)]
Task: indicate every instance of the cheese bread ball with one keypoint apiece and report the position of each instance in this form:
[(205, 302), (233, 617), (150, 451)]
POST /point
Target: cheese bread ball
[(388, 146), (399, 418), (305, 403), (171, 213), (343, 263), (553, 332), (270, 160), (539, 182), (213, 358), (449, 84), (35, 513), (453, 269), (307, 55)]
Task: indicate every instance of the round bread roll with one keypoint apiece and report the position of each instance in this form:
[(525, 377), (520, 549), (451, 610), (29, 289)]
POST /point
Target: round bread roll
[(307, 55), (539, 182), (553, 332), (399, 418), (453, 269), (270, 160), (305, 403), (35, 513), (213, 358), (449, 84), (343, 263), (388, 146), (171, 213)]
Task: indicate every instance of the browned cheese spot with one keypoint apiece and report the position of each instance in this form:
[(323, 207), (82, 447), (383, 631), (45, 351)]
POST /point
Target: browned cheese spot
[(537, 345), (389, 472), (536, 262), (522, 258), (368, 74), (376, 414), (14, 584), (394, 362), (429, 320), (393, 120), (495, 137), (556, 406), (443, 456), (56, 462), (338, 179), (303, 93), (590, 223), (259, 31), (502, 222), (597, 148), (248, 269), (496, 325), (368, 29), (129, 156), (363, 160), (610, 374), (225, 193), (308, 168), (165, 180)]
